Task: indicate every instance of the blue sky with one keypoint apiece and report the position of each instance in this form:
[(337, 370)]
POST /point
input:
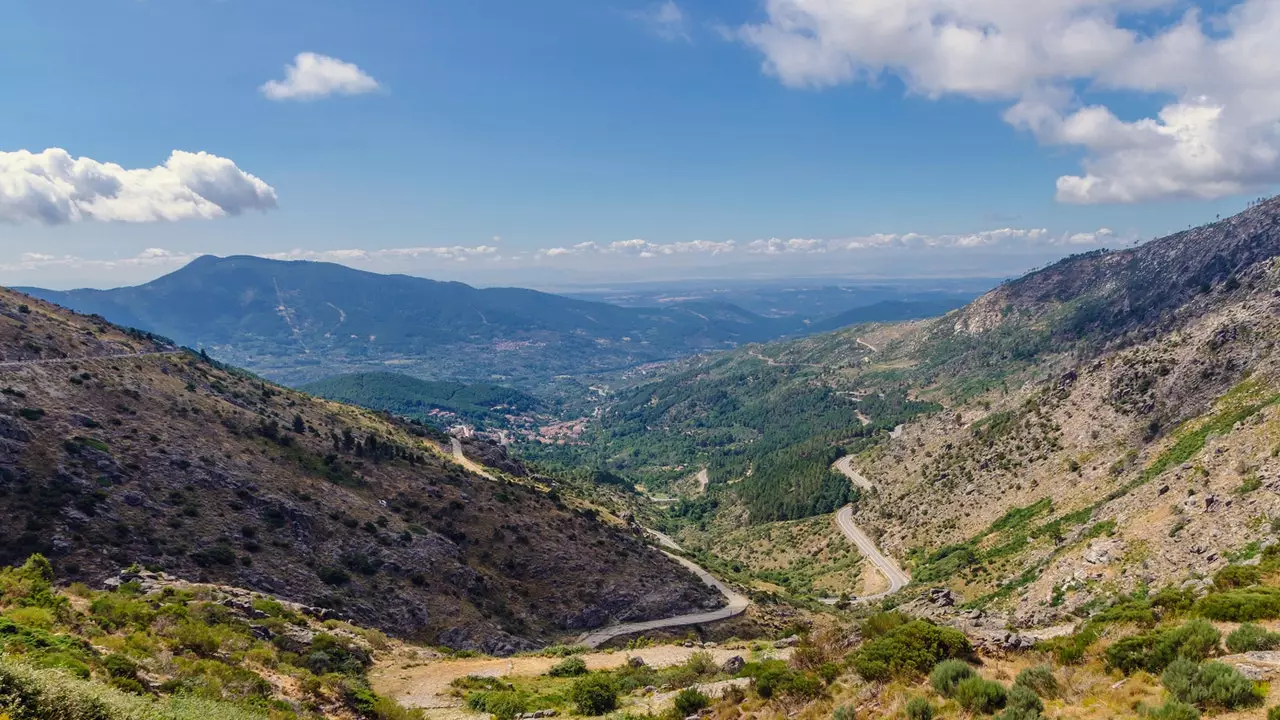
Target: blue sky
[(529, 127)]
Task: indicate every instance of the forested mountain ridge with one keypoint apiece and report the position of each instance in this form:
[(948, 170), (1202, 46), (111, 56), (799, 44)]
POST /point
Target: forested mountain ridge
[(300, 321), (116, 450)]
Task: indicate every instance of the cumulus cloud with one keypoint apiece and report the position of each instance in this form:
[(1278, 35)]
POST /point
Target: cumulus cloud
[(1217, 134), (667, 21), (52, 187), (313, 76)]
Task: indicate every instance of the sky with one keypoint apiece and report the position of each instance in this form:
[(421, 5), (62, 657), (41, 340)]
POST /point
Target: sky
[(562, 141)]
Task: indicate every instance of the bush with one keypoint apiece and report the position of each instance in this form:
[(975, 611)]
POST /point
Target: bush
[(1174, 710), (594, 695), (948, 674), (1023, 704), (1210, 685), (1039, 680), (844, 712), (919, 709), (689, 701), (1237, 576), (1274, 713), (569, 667), (504, 705), (980, 696), (881, 623), (1153, 651), (911, 649), (1241, 605), (702, 663), (1249, 637)]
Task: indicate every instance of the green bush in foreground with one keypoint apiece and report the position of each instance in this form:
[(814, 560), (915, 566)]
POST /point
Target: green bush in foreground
[(919, 709), (1022, 704), (28, 693), (909, 650), (1274, 713), (1249, 637), (1241, 605), (594, 695), (1174, 710), (948, 674), (980, 696), (689, 701), (1039, 680), (1154, 650), (1210, 685), (569, 667)]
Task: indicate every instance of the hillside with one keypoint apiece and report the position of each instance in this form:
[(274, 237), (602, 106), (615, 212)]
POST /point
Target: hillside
[(296, 322), (1103, 424), (116, 449), (439, 400)]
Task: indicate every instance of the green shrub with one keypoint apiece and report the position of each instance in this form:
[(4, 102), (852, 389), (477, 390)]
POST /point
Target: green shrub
[(978, 695), (1210, 685), (1153, 651), (689, 701), (27, 693), (702, 663), (911, 649), (948, 674), (881, 623), (1237, 576), (1249, 637), (594, 695), (1274, 713), (844, 712), (1241, 604), (919, 709), (1023, 704), (1039, 680), (501, 704), (569, 667), (1174, 710)]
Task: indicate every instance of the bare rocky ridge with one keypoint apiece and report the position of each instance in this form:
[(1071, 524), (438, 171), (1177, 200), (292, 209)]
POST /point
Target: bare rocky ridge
[(210, 474)]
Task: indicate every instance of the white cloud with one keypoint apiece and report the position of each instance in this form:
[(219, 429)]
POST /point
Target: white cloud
[(51, 187), (313, 76), (459, 253), (1217, 134), (776, 246), (667, 21), (150, 258)]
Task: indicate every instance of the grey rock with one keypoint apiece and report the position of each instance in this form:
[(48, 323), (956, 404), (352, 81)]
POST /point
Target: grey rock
[(733, 665)]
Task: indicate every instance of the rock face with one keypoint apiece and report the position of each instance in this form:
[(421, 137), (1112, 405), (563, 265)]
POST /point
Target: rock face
[(173, 463)]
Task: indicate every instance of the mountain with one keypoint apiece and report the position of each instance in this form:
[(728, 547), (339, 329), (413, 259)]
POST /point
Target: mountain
[(117, 449), (420, 399), (1093, 428), (300, 321)]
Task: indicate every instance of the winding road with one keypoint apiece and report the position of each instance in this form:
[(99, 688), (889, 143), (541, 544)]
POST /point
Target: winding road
[(844, 520), (737, 604)]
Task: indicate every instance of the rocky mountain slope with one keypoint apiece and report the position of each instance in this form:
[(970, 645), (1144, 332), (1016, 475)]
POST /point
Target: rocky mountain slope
[(1105, 424), (116, 449), (301, 321)]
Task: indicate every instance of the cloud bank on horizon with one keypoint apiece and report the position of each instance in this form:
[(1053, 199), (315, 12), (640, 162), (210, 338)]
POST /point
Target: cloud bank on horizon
[(1219, 136), (427, 259)]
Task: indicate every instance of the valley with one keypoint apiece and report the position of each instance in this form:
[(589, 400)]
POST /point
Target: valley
[(1057, 480)]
